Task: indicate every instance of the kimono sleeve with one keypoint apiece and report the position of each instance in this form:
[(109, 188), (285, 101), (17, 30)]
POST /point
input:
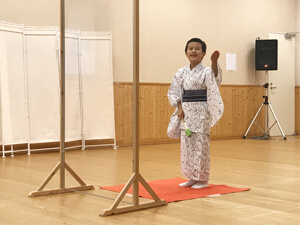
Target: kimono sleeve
[(173, 130), (174, 92), (215, 104)]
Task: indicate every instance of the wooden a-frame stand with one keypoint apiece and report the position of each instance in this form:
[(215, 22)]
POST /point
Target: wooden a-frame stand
[(61, 165), (42, 192), (136, 176)]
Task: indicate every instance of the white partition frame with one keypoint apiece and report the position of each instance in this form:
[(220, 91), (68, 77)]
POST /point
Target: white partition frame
[(89, 94), (13, 115)]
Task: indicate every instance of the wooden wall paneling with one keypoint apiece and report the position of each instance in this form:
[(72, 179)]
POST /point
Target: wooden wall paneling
[(123, 113), (127, 114), (241, 104), (146, 113), (146, 120), (155, 113), (156, 132), (297, 110), (225, 126), (159, 107), (159, 120), (241, 118), (152, 131), (142, 113), (117, 111), (248, 105), (254, 100)]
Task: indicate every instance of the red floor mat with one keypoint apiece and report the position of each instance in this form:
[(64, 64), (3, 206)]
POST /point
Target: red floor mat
[(169, 190)]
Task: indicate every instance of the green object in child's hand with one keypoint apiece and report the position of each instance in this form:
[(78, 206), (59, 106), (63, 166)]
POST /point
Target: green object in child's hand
[(187, 130)]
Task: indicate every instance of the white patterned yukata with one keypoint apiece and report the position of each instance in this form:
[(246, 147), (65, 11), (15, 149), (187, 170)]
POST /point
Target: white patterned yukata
[(199, 117)]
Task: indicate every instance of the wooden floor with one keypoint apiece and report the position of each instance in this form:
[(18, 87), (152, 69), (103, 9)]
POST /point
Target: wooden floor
[(271, 168)]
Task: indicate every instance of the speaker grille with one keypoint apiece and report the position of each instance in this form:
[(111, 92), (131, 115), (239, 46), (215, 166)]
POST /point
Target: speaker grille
[(266, 54)]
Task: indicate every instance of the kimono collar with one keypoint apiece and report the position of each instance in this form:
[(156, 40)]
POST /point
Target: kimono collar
[(197, 68)]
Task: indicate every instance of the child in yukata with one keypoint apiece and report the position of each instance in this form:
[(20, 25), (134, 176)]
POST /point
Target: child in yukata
[(195, 94)]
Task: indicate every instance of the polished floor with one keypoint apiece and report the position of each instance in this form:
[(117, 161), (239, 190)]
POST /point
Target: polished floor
[(271, 168)]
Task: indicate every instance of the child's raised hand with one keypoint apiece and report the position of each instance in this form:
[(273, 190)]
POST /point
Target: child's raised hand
[(215, 56)]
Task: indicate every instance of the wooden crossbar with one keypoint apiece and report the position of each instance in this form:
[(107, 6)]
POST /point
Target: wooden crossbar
[(41, 192)]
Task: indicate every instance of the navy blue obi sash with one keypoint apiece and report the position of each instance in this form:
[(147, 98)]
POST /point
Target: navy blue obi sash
[(194, 95)]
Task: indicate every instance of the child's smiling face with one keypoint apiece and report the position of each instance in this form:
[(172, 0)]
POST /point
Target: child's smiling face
[(194, 53)]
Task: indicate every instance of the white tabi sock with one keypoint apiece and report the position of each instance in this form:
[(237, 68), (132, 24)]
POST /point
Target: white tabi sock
[(188, 183), (200, 184)]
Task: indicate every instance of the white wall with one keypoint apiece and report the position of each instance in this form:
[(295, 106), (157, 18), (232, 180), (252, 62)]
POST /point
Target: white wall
[(227, 25), (230, 26), (298, 45), (30, 12)]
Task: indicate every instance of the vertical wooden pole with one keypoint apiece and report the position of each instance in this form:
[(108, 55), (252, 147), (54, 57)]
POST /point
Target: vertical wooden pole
[(62, 93), (136, 176), (62, 165), (135, 121)]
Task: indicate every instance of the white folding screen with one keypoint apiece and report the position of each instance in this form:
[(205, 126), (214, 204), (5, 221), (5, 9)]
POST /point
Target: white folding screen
[(14, 127), (74, 120), (97, 91), (30, 95), (43, 84)]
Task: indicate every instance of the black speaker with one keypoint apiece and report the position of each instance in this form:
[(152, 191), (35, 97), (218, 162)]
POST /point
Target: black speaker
[(266, 54)]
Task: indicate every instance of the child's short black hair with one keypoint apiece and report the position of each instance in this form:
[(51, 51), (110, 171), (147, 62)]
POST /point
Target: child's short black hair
[(196, 40)]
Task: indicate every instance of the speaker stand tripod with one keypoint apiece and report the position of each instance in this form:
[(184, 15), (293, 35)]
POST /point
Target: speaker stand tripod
[(267, 105)]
